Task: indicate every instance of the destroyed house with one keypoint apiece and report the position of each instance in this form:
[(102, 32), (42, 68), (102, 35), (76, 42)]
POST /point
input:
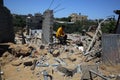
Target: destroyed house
[(34, 22)]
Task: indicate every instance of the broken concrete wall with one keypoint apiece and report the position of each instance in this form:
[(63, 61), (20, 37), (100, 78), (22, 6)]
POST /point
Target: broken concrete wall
[(47, 28), (111, 49), (6, 26), (1, 2)]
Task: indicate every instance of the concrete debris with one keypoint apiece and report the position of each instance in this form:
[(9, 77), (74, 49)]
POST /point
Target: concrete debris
[(42, 65), (37, 56), (42, 47), (81, 48), (97, 74), (34, 64), (6, 58), (28, 63), (66, 60), (72, 59), (46, 75), (64, 70), (85, 71), (6, 54), (60, 61), (49, 61), (56, 53), (18, 50), (16, 63), (118, 77), (68, 72)]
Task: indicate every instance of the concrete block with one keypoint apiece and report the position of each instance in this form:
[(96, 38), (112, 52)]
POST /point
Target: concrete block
[(118, 77), (85, 71), (16, 63), (28, 63), (56, 53)]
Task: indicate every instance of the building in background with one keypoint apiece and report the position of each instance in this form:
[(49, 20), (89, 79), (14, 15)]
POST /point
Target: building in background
[(78, 17), (34, 22)]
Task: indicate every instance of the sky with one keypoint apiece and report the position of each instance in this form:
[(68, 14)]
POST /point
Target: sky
[(94, 9)]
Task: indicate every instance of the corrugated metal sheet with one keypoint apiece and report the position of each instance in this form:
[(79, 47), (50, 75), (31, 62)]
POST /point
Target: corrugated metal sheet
[(111, 49)]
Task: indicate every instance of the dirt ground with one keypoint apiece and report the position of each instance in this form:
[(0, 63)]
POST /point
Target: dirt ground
[(13, 68), (22, 72)]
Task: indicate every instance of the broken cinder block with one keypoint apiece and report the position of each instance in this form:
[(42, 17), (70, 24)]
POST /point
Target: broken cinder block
[(28, 63), (16, 63), (85, 71), (56, 53)]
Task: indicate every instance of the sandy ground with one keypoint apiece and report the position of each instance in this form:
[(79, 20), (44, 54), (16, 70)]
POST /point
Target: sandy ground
[(71, 55)]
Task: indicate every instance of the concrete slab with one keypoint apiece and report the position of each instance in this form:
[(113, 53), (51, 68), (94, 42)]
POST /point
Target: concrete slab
[(85, 71)]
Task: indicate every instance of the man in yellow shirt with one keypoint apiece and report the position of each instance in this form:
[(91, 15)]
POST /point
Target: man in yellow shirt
[(60, 34)]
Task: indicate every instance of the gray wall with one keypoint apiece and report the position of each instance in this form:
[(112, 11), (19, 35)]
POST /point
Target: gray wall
[(6, 26), (1, 2), (47, 27), (111, 49)]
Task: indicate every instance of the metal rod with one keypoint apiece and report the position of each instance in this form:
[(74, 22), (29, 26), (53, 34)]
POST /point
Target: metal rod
[(90, 75), (91, 71), (95, 35)]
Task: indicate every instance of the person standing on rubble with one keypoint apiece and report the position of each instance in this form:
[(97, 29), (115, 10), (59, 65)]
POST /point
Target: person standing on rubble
[(60, 34)]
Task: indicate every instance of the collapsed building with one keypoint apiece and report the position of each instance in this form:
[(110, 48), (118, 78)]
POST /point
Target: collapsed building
[(41, 25), (74, 61)]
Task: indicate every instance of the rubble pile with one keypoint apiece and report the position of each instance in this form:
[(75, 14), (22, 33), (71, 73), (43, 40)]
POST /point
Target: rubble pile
[(54, 62), (79, 59), (38, 56)]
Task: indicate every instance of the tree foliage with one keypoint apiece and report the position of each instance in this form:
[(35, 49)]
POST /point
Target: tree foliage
[(19, 22), (109, 27), (78, 26)]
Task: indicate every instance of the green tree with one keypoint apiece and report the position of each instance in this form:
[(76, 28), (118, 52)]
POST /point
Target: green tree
[(109, 27), (77, 27), (19, 22)]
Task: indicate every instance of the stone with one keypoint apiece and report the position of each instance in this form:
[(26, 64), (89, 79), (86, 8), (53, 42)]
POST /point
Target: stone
[(6, 54), (34, 64), (28, 63), (72, 59), (16, 63), (56, 53), (85, 71), (64, 70), (118, 77), (42, 47)]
